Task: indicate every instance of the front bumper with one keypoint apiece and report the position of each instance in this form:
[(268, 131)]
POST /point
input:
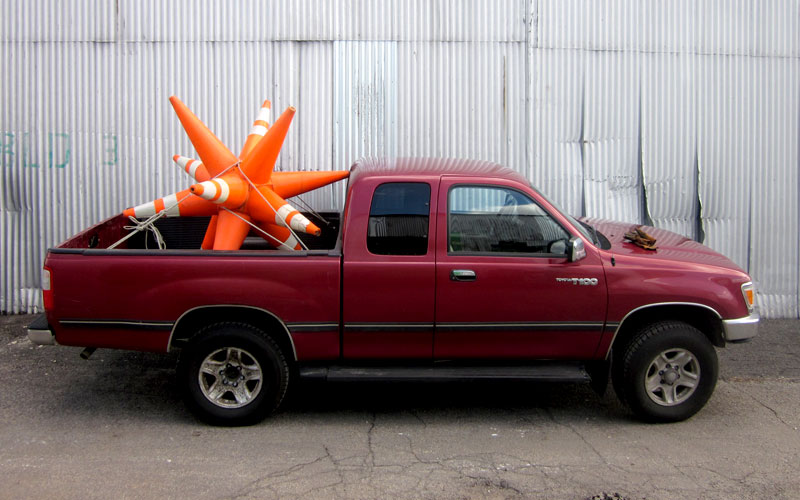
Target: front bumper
[(742, 329), (39, 331)]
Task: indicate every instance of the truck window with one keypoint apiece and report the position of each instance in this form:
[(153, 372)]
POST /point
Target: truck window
[(398, 219), (486, 219)]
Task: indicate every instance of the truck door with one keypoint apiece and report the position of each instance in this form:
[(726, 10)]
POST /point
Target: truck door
[(505, 288), (389, 270)]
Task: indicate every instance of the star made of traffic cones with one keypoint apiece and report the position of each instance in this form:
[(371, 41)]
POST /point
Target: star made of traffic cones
[(240, 193)]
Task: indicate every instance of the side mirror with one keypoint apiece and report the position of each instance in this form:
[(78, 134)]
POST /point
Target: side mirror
[(576, 249), (558, 247)]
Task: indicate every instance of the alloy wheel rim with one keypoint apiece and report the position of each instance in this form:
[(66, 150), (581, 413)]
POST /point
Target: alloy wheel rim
[(672, 377), (230, 377)]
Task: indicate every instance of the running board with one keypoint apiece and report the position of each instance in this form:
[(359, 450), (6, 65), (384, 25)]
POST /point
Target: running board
[(542, 371)]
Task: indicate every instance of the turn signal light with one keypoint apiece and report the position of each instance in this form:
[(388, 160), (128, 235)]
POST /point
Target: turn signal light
[(749, 293)]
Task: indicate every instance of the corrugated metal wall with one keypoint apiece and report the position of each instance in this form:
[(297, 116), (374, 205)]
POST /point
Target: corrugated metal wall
[(681, 114)]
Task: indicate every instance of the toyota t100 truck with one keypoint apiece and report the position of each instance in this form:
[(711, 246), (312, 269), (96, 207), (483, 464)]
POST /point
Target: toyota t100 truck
[(436, 270)]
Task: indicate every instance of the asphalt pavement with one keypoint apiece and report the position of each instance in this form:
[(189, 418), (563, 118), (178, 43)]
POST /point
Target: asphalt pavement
[(114, 427)]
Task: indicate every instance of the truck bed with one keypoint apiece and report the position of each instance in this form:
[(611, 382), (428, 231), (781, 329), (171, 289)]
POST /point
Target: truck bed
[(131, 297), (186, 233)]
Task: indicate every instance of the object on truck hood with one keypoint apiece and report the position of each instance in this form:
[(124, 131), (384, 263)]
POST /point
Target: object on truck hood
[(642, 239), (240, 193)]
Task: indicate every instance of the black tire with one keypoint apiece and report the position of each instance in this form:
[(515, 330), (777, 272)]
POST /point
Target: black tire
[(681, 366), (251, 382)]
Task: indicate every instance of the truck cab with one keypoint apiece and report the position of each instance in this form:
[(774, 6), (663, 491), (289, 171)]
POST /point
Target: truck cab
[(440, 264)]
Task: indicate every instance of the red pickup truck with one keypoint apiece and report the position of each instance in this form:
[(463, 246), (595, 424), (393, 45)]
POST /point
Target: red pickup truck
[(437, 269)]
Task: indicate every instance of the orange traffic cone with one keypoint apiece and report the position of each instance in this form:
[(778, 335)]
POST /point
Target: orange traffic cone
[(220, 187), (281, 237), (230, 190), (211, 232), (231, 230), (260, 162), (215, 156), (288, 184), (260, 127), (191, 207), (280, 210), (194, 168)]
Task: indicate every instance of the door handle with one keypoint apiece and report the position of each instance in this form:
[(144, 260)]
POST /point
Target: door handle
[(462, 275)]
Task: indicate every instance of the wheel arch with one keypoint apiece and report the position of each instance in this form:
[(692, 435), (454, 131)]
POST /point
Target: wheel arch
[(194, 319), (704, 318)]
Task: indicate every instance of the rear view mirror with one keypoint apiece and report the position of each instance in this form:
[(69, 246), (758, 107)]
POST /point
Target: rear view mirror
[(576, 249)]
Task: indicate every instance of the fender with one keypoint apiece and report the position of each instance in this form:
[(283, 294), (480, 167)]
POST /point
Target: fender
[(652, 305), (234, 306)]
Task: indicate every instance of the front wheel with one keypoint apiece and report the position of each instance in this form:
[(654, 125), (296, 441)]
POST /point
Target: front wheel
[(668, 373), (233, 374)]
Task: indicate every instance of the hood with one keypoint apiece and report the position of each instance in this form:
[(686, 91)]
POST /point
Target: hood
[(670, 246)]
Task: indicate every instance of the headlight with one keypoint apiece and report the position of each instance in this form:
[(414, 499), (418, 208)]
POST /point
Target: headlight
[(749, 293)]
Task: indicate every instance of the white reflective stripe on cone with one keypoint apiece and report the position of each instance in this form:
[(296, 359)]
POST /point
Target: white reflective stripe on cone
[(225, 191), (190, 165), (299, 222), (282, 214), (145, 210), (182, 162), (192, 168), (171, 206), (291, 242), (209, 190), (264, 114)]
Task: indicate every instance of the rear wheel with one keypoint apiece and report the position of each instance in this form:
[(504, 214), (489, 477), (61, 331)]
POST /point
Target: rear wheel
[(668, 372), (233, 374)]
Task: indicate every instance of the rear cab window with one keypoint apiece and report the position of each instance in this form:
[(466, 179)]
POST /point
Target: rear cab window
[(398, 219)]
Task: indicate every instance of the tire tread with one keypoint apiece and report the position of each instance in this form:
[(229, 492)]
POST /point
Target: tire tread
[(645, 336), (186, 357)]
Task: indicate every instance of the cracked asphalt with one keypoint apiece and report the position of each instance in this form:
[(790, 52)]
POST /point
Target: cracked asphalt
[(114, 427)]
